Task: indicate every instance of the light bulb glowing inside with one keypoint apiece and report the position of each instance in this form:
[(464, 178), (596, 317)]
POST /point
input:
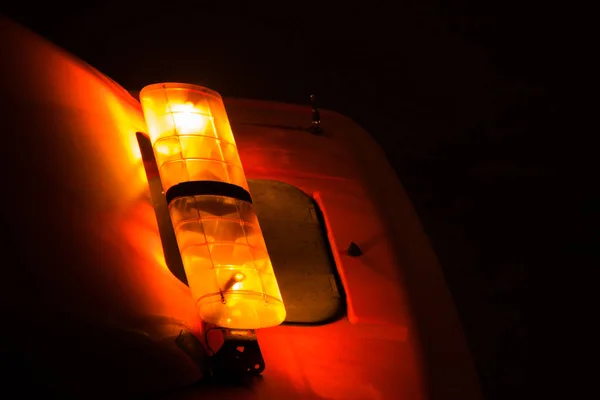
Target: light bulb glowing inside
[(188, 119), (239, 277), (235, 282)]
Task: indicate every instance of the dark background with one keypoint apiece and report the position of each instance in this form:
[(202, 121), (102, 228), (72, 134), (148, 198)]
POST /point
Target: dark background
[(464, 98)]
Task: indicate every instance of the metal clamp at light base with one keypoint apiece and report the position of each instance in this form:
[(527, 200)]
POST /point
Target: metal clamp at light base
[(239, 356)]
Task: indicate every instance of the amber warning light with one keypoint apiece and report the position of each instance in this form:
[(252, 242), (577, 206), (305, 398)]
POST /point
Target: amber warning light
[(222, 247)]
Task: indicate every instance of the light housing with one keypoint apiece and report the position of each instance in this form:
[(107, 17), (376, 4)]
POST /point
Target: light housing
[(224, 254)]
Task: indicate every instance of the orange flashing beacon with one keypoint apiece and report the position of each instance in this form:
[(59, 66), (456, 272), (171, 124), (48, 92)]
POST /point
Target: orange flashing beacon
[(224, 255)]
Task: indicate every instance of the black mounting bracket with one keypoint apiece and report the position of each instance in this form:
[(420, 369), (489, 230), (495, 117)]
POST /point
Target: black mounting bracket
[(239, 357)]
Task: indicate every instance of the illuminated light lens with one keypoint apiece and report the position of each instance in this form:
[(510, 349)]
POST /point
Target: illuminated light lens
[(221, 244), (187, 119)]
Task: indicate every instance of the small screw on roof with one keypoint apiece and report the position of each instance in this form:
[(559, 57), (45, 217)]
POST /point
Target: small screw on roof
[(315, 126)]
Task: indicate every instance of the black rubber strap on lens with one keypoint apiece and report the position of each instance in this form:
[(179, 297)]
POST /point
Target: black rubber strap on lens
[(213, 188)]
